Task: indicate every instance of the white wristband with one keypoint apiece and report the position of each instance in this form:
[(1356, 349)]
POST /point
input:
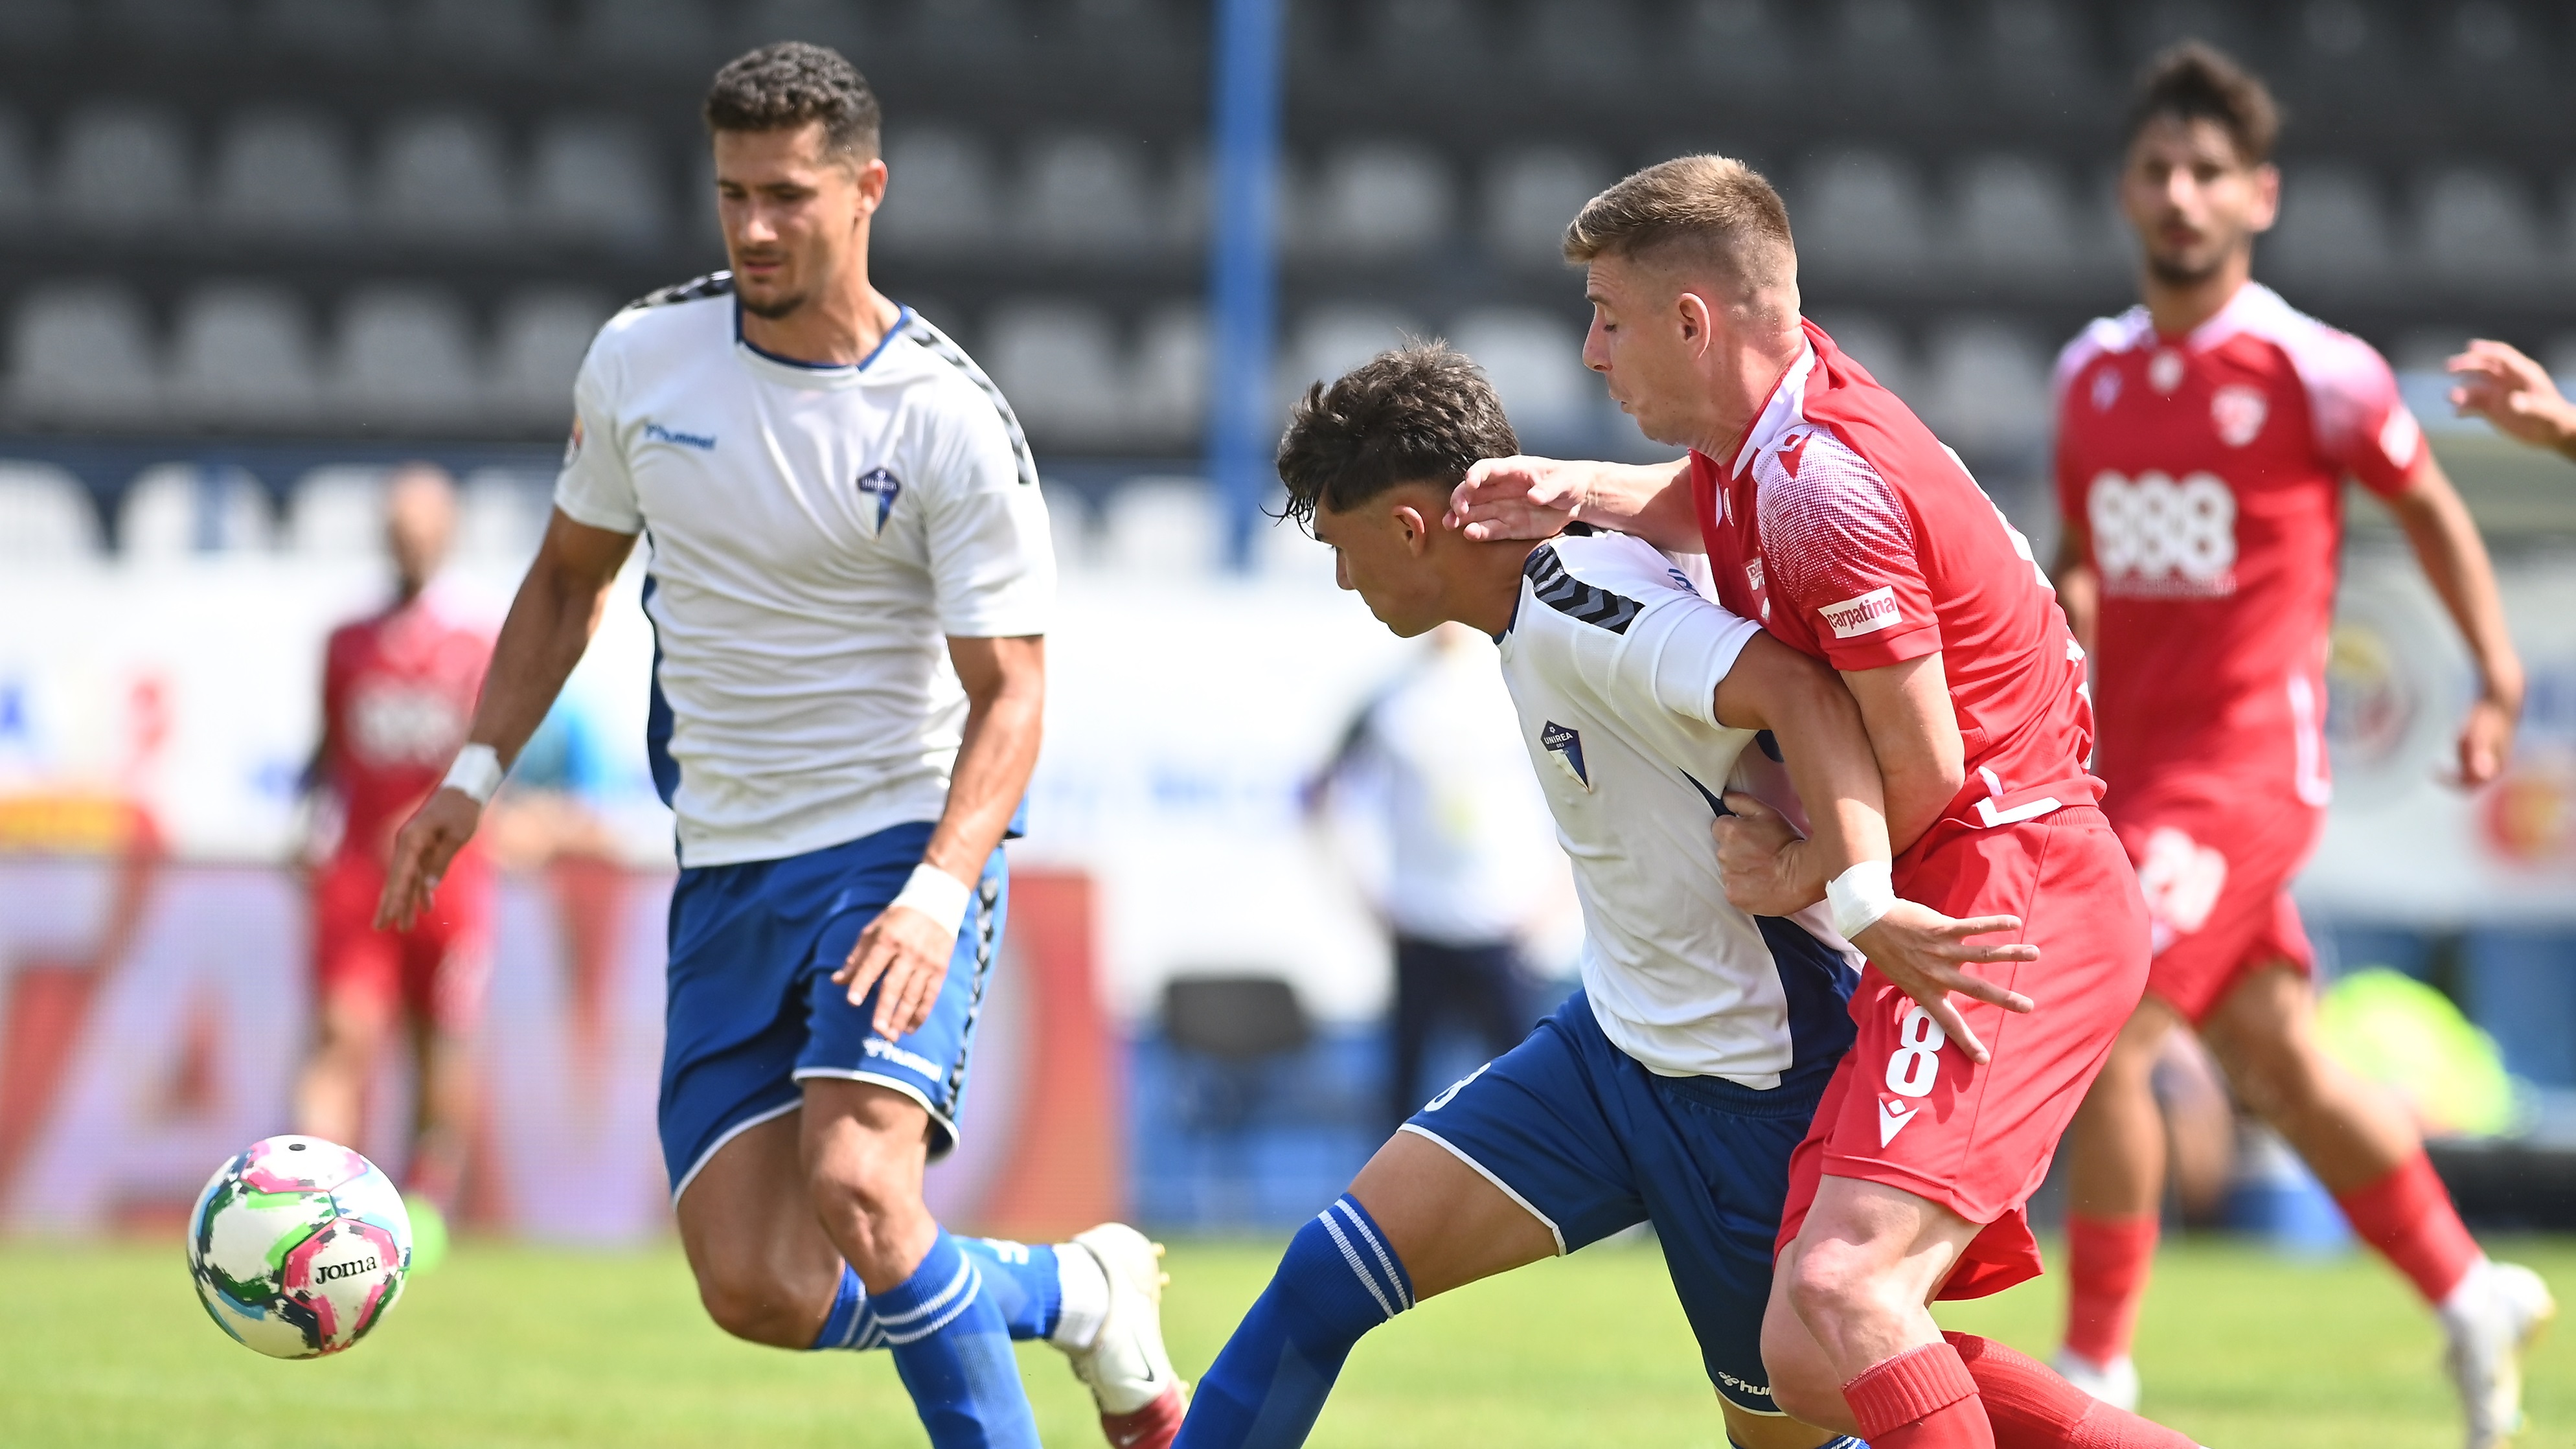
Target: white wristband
[(476, 773), (1860, 895), (936, 894)]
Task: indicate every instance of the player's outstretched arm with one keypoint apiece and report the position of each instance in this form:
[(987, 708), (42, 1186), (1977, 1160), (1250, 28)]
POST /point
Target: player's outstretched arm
[(2446, 542), (1537, 497), (1770, 871), (2497, 382), (1005, 682), (2079, 587), (549, 625)]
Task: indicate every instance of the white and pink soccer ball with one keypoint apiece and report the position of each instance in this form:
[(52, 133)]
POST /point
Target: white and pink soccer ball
[(298, 1247)]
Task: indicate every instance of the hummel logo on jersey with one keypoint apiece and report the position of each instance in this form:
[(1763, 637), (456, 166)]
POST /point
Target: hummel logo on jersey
[(1867, 614), (1565, 746), (884, 487), (656, 433), (1892, 1117)]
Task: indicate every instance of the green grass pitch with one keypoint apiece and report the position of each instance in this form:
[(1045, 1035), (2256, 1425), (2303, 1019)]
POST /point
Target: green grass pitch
[(507, 1346)]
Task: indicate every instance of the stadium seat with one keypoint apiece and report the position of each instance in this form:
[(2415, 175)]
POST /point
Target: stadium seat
[(1876, 344), (82, 354), (122, 170), (337, 512), (1441, 42), (2495, 65), (1531, 194), (1861, 216), (1058, 362), (1890, 53), (241, 360), (1741, 46), (501, 517), (171, 27), (405, 360), (1986, 387), (1160, 528), (21, 198), (2333, 234), (334, 29), (539, 338), (840, 24), (37, 27), (1535, 360), (1167, 383), (1582, 45), (1376, 201), (1232, 1025), (442, 178), (2015, 223), (2145, 29), (2033, 52), (1333, 339), (668, 36), (175, 509), (45, 516), (986, 36), (939, 192), (484, 34), (284, 174), (592, 180), (2478, 230), (1084, 193)]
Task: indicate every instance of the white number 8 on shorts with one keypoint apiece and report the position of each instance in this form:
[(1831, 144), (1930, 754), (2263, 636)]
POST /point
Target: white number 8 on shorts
[(1916, 1062)]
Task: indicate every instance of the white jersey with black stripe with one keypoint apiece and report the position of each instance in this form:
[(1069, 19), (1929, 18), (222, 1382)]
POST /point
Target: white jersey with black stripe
[(1613, 662), (816, 534)]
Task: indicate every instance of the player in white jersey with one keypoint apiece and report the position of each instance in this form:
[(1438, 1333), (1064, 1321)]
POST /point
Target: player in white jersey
[(1673, 1087), (850, 582)]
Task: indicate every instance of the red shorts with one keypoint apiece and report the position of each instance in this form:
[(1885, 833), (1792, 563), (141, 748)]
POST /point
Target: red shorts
[(1908, 1109), (2216, 865), (436, 970)]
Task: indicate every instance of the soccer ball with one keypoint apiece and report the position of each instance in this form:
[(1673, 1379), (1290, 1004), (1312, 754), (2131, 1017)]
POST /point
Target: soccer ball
[(298, 1246)]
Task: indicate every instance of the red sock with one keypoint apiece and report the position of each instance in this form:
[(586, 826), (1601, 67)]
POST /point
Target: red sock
[(2106, 1262), (2030, 1407), (1920, 1399), (2408, 1217)]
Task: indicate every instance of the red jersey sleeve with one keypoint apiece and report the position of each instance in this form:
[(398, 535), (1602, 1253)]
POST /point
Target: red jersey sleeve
[(1840, 547), (2361, 423)]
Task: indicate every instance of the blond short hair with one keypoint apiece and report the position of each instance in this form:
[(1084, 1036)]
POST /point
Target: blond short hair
[(1710, 209)]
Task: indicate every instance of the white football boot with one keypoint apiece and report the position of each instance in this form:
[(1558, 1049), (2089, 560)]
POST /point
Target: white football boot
[(1130, 1375), (2114, 1383), (2496, 1313)]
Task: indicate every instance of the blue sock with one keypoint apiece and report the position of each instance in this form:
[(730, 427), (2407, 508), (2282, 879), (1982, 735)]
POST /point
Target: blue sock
[(954, 1354), (1021, 1280), (1338, 1281)]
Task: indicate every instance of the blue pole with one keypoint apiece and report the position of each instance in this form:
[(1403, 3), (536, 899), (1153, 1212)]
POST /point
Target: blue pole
[(1242, 266)]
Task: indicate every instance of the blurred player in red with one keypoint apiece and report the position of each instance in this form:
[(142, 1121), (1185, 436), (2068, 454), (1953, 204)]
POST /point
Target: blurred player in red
[(1833, 516), (2203, 440), (397, 690)]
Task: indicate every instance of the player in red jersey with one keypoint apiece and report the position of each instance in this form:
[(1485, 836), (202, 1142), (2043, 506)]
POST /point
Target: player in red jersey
[(1835, 517), (2203, 440), (397, 690)]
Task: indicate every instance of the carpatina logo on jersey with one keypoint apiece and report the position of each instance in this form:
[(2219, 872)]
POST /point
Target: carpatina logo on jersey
[(1867, 614), (2239, 412), (884, 487), (1565, 746)]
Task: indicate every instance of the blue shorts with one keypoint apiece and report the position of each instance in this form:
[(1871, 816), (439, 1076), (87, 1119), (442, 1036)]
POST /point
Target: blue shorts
[(1582, 1135), (753, 1010)]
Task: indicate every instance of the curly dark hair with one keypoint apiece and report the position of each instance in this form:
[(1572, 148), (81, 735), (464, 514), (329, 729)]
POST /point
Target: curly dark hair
[(2197, 82), (791, 84), (1421, 413)]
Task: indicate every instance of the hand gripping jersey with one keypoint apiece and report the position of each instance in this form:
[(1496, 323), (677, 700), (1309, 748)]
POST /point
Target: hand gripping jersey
[(1844, 526), (817, 533), (2209, 471), (1613, 661), (397, 694)]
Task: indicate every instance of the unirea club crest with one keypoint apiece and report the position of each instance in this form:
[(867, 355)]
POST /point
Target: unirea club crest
[(884, 487), (1565, 746)]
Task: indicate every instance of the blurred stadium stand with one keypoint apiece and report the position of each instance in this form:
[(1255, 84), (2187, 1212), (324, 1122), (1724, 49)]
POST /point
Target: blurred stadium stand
[(365, 225)]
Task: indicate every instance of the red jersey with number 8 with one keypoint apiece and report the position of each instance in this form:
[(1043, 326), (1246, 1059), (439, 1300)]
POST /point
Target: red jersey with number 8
[(2209, 473)]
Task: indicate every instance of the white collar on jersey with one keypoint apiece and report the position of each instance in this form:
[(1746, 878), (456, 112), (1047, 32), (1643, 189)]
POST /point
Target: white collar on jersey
[(1786, 409)]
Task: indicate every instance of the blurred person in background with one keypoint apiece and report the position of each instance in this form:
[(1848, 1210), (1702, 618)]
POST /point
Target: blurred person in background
[(1470, 865), (397, 689), (2497, 382), (2203, 441)]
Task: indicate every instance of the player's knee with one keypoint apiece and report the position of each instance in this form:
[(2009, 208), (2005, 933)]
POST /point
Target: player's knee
[(1802, 1384), (750, 1302), (1837, 1282), (2278, 1076)]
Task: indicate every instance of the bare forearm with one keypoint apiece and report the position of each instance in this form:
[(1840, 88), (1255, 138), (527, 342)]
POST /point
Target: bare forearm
[(1921, 758), (1649, 500), (2454, 559), (994, 762), (1829, 761), (544, 637), (2079, 588)]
